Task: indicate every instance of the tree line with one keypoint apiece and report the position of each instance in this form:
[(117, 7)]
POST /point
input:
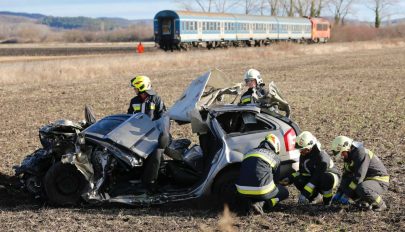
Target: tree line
[(339, 9)]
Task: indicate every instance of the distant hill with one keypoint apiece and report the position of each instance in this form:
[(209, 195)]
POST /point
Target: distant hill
[(86, 23), (89, 23), (26, 15)]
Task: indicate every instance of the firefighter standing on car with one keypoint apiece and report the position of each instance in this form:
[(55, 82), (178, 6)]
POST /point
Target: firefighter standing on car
[(317, 173), (259, 174), (148, 102), (256, 92), (365, 177), (255, 85)]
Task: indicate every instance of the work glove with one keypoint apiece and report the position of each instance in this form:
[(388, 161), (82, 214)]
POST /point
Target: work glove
[(336, 198), (344, 200), (302, 200)]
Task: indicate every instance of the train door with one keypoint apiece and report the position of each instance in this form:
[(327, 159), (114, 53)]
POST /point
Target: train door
[(222, 30), (199, 30), (167, 27), (167, 33)]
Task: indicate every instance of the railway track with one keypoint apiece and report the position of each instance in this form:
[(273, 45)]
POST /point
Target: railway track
[(71, 49)]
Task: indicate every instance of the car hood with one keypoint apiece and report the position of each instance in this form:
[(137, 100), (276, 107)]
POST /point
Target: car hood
[(202, 92)]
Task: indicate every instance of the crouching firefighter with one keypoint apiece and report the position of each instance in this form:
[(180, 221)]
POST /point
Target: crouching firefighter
[(317, 173), (148, 102), (259, 174), (365, 177)]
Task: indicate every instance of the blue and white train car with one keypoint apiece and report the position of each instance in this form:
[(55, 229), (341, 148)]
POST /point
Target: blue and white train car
[(184, 29), (294, 28)]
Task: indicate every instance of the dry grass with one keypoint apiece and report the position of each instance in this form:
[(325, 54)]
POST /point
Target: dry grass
[(349, 33), (83, 67), (30, 32)]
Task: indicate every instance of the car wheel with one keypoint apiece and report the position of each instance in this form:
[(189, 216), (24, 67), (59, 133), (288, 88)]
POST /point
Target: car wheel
[(64, 184), (225, 190)]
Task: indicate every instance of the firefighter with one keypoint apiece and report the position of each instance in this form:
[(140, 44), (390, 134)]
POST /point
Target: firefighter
[(256, 92), (255, 85), (365, 177), (317, 173), (148, 102), (146, 99), (259, 174)]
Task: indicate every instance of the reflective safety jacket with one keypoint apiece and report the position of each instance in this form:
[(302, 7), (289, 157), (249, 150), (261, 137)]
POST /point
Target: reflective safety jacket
[(257, 171), (315, 163), (152, 106), (252, 95), (361, 164)]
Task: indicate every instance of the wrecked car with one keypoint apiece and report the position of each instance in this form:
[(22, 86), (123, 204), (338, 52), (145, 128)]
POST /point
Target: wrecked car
[(102, 161)]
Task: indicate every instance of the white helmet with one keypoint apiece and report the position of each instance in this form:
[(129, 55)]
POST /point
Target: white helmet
[(306, 140), (253, 74), (274, 142), (341, 143)]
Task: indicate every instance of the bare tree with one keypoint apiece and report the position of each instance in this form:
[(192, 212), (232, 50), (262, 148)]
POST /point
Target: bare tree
[(381, 9), (287, 7), (204, 5), (274, 7), (340, 9), (250, 6), (225, 5), (262, 7), (302, 7)]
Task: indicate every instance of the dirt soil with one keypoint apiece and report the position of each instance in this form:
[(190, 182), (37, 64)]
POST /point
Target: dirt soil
[(360, 94)]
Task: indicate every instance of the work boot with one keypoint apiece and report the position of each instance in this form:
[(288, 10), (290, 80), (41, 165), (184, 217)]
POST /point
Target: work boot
[(381, 207), (257, 207), (327, 201), (363, 205), (316, 200)]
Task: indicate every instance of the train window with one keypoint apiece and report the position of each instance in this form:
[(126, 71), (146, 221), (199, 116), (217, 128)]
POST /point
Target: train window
[(284, 28), (322, 27), (166, 27)]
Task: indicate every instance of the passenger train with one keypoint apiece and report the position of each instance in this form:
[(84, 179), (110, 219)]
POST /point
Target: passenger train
[(185, 29)]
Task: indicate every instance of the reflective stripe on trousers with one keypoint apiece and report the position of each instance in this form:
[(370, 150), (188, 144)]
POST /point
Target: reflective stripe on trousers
[(250, 190), (379, 178)]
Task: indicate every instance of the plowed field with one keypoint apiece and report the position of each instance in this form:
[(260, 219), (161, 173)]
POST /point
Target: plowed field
[(355, 90)]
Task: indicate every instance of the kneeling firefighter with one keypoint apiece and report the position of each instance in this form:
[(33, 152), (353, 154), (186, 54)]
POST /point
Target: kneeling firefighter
[(259, 174), (317, 173), (365, 177)]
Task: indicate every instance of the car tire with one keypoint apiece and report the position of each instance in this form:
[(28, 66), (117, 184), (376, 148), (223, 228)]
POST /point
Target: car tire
[(225, 191), (64, 184)]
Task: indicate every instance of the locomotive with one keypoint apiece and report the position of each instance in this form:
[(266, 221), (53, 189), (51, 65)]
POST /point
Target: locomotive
[(186, 29)]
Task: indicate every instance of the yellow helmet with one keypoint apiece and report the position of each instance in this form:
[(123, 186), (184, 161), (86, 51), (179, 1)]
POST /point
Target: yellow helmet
[(141, 83), (274, 142), (305, 140), (341, 143)]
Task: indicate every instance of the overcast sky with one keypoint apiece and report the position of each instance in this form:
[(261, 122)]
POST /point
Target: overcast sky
[(130, 9)]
